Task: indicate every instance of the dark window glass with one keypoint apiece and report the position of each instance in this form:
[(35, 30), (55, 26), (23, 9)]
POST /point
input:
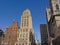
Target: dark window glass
[(57, 6)]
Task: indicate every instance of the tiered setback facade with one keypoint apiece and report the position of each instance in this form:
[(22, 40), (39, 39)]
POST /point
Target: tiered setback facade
[(26, 32)]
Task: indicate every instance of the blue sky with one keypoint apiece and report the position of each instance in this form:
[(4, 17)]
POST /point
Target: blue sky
[(11, 10)]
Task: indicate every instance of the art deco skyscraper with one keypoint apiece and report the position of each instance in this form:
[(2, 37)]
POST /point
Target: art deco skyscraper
[(26, 32)]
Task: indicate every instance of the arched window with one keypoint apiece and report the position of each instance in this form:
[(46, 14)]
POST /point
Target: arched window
[(57, 6)]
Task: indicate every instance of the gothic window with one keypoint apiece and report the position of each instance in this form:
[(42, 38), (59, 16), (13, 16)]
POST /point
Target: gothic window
[(57, 7)]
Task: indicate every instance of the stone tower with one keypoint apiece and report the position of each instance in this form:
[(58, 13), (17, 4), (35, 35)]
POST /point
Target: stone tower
[(55, 6)]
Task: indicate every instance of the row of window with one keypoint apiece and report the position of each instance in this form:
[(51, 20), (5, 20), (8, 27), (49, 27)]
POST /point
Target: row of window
[(23, 39), (25, 35), (25, 22), (22, 44), (24, 30), (25, 17)]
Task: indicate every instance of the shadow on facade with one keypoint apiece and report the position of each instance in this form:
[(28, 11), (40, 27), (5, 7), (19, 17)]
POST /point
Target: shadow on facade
[(56, 41), (44, 44)]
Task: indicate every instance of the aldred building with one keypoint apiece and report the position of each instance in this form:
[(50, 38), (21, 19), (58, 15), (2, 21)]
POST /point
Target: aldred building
[(11, 34)]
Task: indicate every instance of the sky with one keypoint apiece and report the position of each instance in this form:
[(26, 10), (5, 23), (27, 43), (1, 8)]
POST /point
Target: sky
[(11, 10)]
